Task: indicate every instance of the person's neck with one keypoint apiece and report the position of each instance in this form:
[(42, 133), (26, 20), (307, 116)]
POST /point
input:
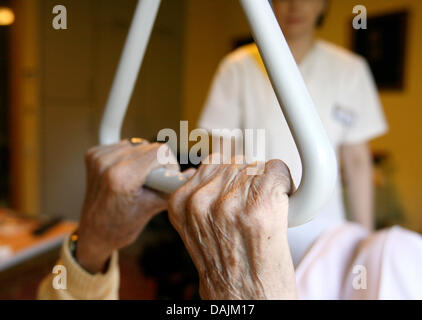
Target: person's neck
[(300, 46)]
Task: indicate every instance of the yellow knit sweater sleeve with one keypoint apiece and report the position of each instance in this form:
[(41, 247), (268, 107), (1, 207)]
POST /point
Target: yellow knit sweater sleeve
[(69, 281)]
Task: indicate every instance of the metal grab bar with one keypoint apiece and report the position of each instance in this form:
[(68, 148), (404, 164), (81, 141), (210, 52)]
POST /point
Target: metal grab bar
[(318, 158)]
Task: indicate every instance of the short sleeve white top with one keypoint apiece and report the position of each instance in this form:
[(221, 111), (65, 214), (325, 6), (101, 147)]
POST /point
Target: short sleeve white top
[(345, 97)]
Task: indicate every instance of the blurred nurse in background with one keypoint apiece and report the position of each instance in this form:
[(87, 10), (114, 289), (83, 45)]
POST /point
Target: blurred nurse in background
[(345, 95)]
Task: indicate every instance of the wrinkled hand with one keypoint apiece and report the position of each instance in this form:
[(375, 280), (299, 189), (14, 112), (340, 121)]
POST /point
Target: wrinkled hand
[(116, 206), (234, 226)]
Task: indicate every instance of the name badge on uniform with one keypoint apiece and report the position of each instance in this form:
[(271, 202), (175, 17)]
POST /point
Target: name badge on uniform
[(346, 117)]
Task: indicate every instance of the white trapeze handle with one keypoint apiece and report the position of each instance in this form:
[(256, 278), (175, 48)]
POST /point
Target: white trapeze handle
[(319, 165)]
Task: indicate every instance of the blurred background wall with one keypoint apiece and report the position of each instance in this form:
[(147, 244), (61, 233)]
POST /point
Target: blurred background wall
[(66, 75), (74, 71)]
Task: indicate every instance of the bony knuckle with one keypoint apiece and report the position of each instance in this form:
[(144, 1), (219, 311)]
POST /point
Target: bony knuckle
[(281, 188), (90, 155), (227, 205), (113, 178), (197, 203), (100, 162), (275, 165), (278, 166), (279, 174)]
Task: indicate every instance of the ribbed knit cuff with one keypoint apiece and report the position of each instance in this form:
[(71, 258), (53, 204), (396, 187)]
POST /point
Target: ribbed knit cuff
[(83, 285)]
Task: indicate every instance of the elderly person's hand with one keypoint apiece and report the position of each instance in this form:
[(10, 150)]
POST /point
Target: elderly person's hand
[(234, 226), (116, 207)]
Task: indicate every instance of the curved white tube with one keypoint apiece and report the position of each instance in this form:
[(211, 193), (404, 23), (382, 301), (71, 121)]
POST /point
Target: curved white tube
[(128, 70), (123, 85), (319, 164), (318, 158)]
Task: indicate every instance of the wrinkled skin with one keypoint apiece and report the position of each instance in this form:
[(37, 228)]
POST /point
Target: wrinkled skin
[(116, 207), (234, 226)]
